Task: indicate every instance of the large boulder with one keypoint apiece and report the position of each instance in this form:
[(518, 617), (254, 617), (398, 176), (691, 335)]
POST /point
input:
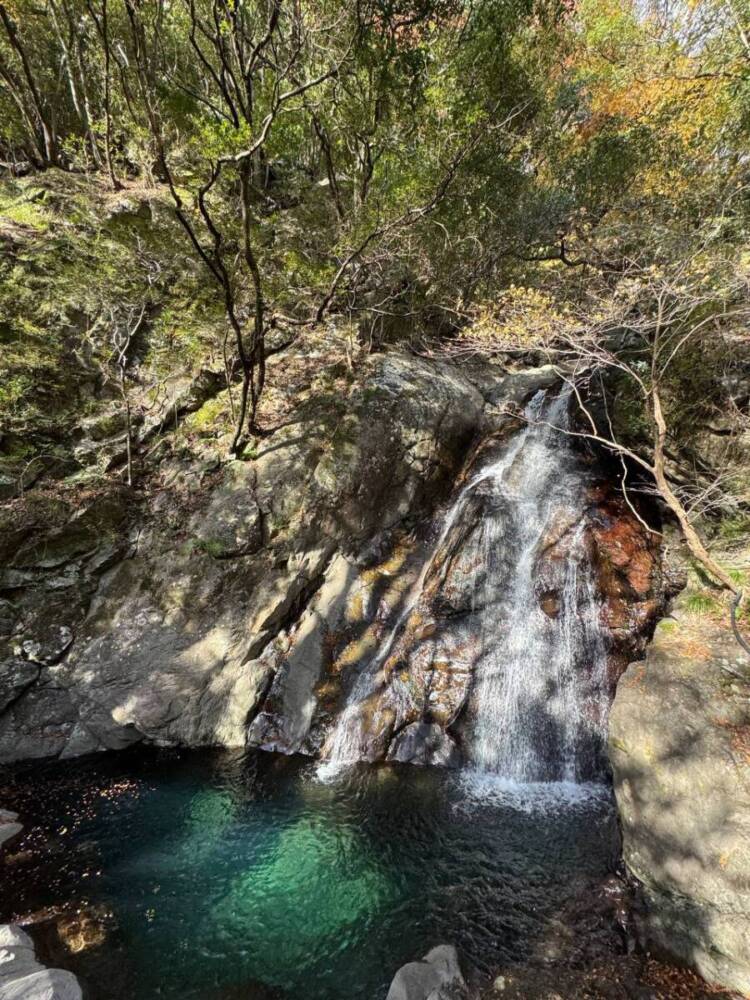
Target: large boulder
[(22, 977), (680, 751)]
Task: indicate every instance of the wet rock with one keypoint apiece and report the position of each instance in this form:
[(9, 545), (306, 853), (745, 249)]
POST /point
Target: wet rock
[(286, 719), (22, 977), (549, 602), (680, 754), (9, 825), (437, 977), (424, 744), (85, 929), (519, 386)]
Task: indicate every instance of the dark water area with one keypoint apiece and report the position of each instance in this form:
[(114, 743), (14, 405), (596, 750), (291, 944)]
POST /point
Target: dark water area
[(218, 875)]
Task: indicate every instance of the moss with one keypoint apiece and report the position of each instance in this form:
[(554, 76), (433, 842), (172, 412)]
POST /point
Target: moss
[(208, 546), (211, 547), (735, 527), (701, 603), (23, 212), (212, 417), (668, 625)]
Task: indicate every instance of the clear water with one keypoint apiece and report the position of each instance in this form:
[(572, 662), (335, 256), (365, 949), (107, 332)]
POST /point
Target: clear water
[(229, 875)]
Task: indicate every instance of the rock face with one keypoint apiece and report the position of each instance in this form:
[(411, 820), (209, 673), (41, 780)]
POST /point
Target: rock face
[(22, 977), (680, 753), (437, 977), (383, 663), (238, 602), (124, 620)]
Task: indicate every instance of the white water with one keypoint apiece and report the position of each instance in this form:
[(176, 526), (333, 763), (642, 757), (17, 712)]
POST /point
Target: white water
[(537, 709), (539, 699)]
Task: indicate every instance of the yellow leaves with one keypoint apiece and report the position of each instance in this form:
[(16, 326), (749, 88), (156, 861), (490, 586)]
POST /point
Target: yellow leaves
[(638, 74), (522, 316)]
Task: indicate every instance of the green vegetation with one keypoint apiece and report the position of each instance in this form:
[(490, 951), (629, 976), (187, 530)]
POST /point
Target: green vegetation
[(195, 185)]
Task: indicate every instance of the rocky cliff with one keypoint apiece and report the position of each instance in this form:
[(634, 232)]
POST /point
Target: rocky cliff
[(224, 595)]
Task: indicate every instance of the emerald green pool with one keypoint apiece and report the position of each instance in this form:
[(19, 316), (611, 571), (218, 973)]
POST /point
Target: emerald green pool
[(220, 875)]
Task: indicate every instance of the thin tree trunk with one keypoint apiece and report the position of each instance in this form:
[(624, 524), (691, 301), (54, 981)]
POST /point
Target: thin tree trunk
[(49, 136), (257, 347), (108, 98)]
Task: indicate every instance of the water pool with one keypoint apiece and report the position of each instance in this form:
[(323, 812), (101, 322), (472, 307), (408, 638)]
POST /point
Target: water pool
[(221, 874)]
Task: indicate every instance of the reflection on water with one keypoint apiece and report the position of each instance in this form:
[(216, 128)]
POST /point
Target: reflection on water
[(232, 875)]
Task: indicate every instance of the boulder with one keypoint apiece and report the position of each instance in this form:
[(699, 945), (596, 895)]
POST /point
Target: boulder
[(22, 977), (680, 751), (437, 977), (425, 744)]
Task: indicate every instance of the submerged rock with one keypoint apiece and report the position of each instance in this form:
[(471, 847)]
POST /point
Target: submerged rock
[(680, 751), (437, 977), (22, 977)]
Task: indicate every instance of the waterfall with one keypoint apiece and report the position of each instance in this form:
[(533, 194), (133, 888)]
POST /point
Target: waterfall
[(537, 706)]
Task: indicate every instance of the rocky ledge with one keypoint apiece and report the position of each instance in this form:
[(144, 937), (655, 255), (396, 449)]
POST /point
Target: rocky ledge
[(683, 792)]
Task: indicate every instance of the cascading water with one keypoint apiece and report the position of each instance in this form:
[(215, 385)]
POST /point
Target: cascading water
[(537, 705)]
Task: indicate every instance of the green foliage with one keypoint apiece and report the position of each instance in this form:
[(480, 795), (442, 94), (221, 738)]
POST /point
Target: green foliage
[(211, 547), (734, 527), (509, 163), (86, 257), (702, 603)]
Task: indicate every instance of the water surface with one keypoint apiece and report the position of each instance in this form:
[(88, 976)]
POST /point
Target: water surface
[(241, 875)]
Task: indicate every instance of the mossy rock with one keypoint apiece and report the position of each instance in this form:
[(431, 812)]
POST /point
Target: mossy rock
[(49, 532)]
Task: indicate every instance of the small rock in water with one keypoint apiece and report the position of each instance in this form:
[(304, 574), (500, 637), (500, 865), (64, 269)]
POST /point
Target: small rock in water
[(425, 744), (9, 825), (437, 977)]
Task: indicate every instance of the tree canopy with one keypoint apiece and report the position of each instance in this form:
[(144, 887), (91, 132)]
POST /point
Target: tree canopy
[(468, 175)]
